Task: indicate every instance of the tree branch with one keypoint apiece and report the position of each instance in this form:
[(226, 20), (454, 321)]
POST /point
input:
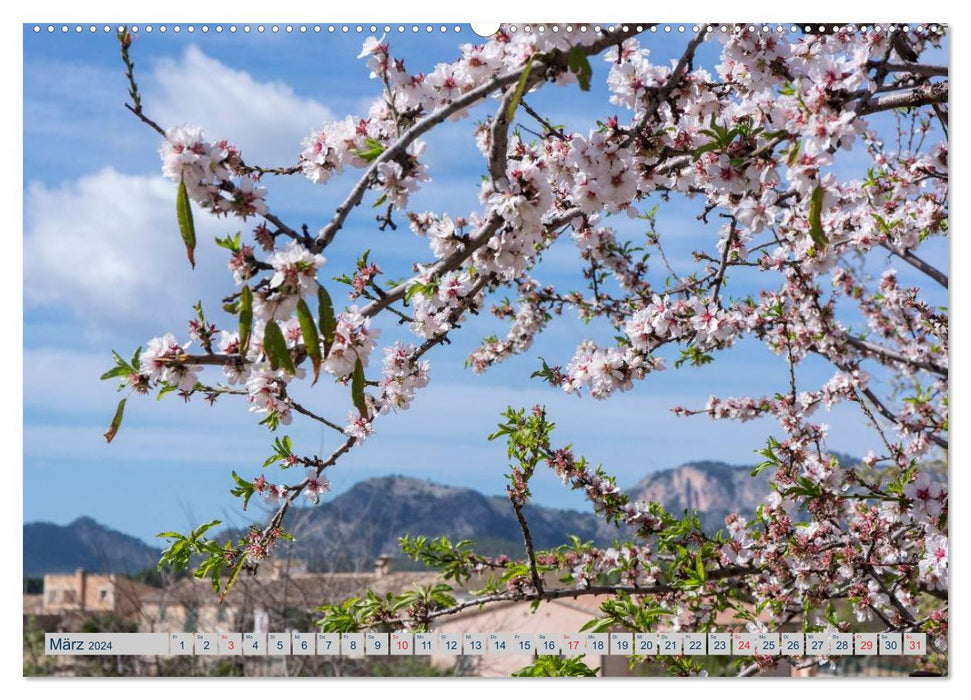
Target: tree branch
[(915, 68), (875, 350), (920, 264), (920, 96), (399, 147), (558, 593)]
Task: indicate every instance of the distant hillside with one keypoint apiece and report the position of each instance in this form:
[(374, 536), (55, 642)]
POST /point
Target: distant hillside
[(351, 530), (86, 544), (714, 489), (367, 519)]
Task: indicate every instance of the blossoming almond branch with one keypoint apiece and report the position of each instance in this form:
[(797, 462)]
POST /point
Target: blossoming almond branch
[(757, 144)]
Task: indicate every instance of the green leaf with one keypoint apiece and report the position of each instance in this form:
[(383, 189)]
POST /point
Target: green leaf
[(165, 390), (186, 226), (374, 149), (580, 66), (275, 347), (556, 666), (231, 244), (245, 319), (815, 219), (243, 488), (310, 338), (520, 89), (701, 150), (425, 289), (328, 323), (122, 368), (357, 389), (793, 154), (115, 372), (237, 569), (116, 421)]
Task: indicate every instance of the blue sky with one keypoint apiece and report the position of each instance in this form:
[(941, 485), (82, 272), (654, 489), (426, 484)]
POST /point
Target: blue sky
[(104, 269)]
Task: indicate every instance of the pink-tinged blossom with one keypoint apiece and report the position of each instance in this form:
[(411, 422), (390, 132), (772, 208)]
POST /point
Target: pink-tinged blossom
[(264, 388), (401, 377), (929, 496), (354, 340), (317, 484), (357, 426), (201, 165), (161, 359), (752, 144), (276, 494), (335, 145), (933, 564), (295, 270)]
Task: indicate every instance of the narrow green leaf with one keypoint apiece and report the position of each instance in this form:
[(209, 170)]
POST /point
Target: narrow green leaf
[(520, 89), (310, 338), (275, 347), (373, 150), (357, 388), (116, 421), (205, 527), (186, 226), (237, 569), (165, 390), (115, 372), (580, 66), (328, 323), (815, 219), (243, 489), (700, 568), (245, 319), (793, 154)]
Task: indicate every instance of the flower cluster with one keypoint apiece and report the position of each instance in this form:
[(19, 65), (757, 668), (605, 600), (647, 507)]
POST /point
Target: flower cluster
[(787, 249), (162, 361), (401, 377), (207, 169), (354, 340)]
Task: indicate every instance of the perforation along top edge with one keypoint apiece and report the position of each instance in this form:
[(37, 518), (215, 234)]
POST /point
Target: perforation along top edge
[(482, 30)]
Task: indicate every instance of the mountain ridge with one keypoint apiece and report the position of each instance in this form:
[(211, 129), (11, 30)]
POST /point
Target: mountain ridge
[(86, 544), (366, 520)]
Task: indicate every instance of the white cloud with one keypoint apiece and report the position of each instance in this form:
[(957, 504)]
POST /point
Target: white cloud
[(266, 120), (107, 244)]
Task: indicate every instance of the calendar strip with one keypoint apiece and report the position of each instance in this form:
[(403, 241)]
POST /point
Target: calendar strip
[(361, 644)]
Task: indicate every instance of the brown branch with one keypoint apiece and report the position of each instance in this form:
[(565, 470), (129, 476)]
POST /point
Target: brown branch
[(879, 351), (310, 414), (915, 68), (550, 130), (558, 593), (891, 416), (920, 264), (719, 278), (538, 68), (658, 96), (528, 542), (457, 258), (920, 96)]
